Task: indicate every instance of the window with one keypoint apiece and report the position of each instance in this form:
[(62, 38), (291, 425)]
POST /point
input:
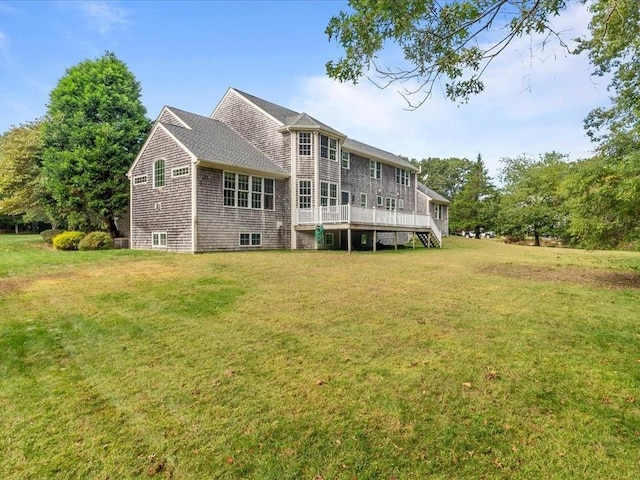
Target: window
[(346, 160), (158, 173), (256, 192), (268, 194), (401, 204), (139, 179), (328, 239), (304, 143), (328, 194), (180, 171), (243, 191), (363, 239), (379, 201), (246, 191), (437, 211), (250, 239), (376, 169), (328, 147), (402, 176), (390, 204), (345, 197), (363, 200), (304, 194), (159, 239), (229, 189)]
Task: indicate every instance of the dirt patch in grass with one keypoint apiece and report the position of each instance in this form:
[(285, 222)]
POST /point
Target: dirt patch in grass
[(9, 285), (584, 276)]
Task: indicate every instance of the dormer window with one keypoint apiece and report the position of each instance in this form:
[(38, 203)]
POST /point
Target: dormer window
[(328, 147)]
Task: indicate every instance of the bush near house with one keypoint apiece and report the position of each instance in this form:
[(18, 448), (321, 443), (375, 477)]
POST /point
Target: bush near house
[(96, 241), (67, 240)]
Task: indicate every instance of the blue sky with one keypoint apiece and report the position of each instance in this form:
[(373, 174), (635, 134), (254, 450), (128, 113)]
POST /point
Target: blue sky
[(186, 54)]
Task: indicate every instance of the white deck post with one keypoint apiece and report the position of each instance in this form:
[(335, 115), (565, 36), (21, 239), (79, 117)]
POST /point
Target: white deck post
[(349, 240)]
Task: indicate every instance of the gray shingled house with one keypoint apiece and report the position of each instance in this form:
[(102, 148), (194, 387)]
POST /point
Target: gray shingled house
[(255, 175)]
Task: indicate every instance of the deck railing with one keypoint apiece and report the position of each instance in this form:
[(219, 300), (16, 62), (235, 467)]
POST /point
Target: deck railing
[(337, 214)]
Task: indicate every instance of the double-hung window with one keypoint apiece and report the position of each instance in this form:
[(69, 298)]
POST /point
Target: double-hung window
[(402, 176), (246, 191), (304, 193), (328, 147), (363, 200), (376, 169), (158, 173), (437, 211), (304, 144), (346, 160), (328, 194)]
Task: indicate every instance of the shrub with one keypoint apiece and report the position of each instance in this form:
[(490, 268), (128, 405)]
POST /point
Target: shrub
[(67, 240), (47, 235), (96, 241)]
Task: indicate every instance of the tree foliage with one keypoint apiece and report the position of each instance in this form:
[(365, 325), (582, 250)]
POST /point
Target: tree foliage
[(475, 206), (603, 199), (532, 202), (21, 190), (96, 125), (614, 48), (444, 175), (441, 40)]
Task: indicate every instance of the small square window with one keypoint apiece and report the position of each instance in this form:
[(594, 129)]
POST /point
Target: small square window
[(329, 239)]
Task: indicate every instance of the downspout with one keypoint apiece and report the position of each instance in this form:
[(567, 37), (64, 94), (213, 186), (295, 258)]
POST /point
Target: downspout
[(194, 205), (293, 185)]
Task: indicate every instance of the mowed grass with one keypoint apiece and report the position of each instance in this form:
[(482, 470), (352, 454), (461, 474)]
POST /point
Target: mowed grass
[(478, 360)]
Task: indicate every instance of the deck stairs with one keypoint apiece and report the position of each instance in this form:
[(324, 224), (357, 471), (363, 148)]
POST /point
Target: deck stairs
[(428, 239)]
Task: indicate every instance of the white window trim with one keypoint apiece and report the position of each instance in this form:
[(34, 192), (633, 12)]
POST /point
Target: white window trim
[(262, 192), (400, 204), (328, 196), (140, 180), (379, 201), (363, 195), (347, 160), (375, 169), (164, 173), (180, 171), (329, 148), (250, 244), (309, 195), (159, 236), (403, 177), (300, 144)]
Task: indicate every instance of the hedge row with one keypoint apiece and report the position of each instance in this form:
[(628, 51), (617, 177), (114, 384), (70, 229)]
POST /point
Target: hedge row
[(62, 240)]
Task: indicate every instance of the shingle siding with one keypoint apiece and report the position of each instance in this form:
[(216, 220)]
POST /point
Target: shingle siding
[(357, 180), (169, 118), (257, 128), (219, 227), (166, 209)]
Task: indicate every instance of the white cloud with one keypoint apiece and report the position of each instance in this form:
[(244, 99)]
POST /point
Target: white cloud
[(534, 102), (103, 16)]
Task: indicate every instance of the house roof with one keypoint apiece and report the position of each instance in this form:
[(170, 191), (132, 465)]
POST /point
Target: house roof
[(289, 118), (432, 194), (213, 141), (369, 151)]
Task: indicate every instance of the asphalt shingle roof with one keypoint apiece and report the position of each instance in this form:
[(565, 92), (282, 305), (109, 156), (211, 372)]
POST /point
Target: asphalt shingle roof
[(432, 194), (370, 151), (213, 141)]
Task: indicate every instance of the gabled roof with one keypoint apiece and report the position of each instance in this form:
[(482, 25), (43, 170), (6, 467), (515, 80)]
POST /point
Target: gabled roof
[(213, 141), (369, 151), (288, 117), (432, 194)]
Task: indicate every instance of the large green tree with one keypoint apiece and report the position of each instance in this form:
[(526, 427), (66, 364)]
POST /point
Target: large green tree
[(21, 189), (603, 199), (475, 206), (96, 124), (444, 175), (532, 202)]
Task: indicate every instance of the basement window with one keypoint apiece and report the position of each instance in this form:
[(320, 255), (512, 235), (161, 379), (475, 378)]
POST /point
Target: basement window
[(159, 239)]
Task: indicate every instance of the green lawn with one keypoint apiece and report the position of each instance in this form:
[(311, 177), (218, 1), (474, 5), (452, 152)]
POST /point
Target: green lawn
[(477, 360)]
